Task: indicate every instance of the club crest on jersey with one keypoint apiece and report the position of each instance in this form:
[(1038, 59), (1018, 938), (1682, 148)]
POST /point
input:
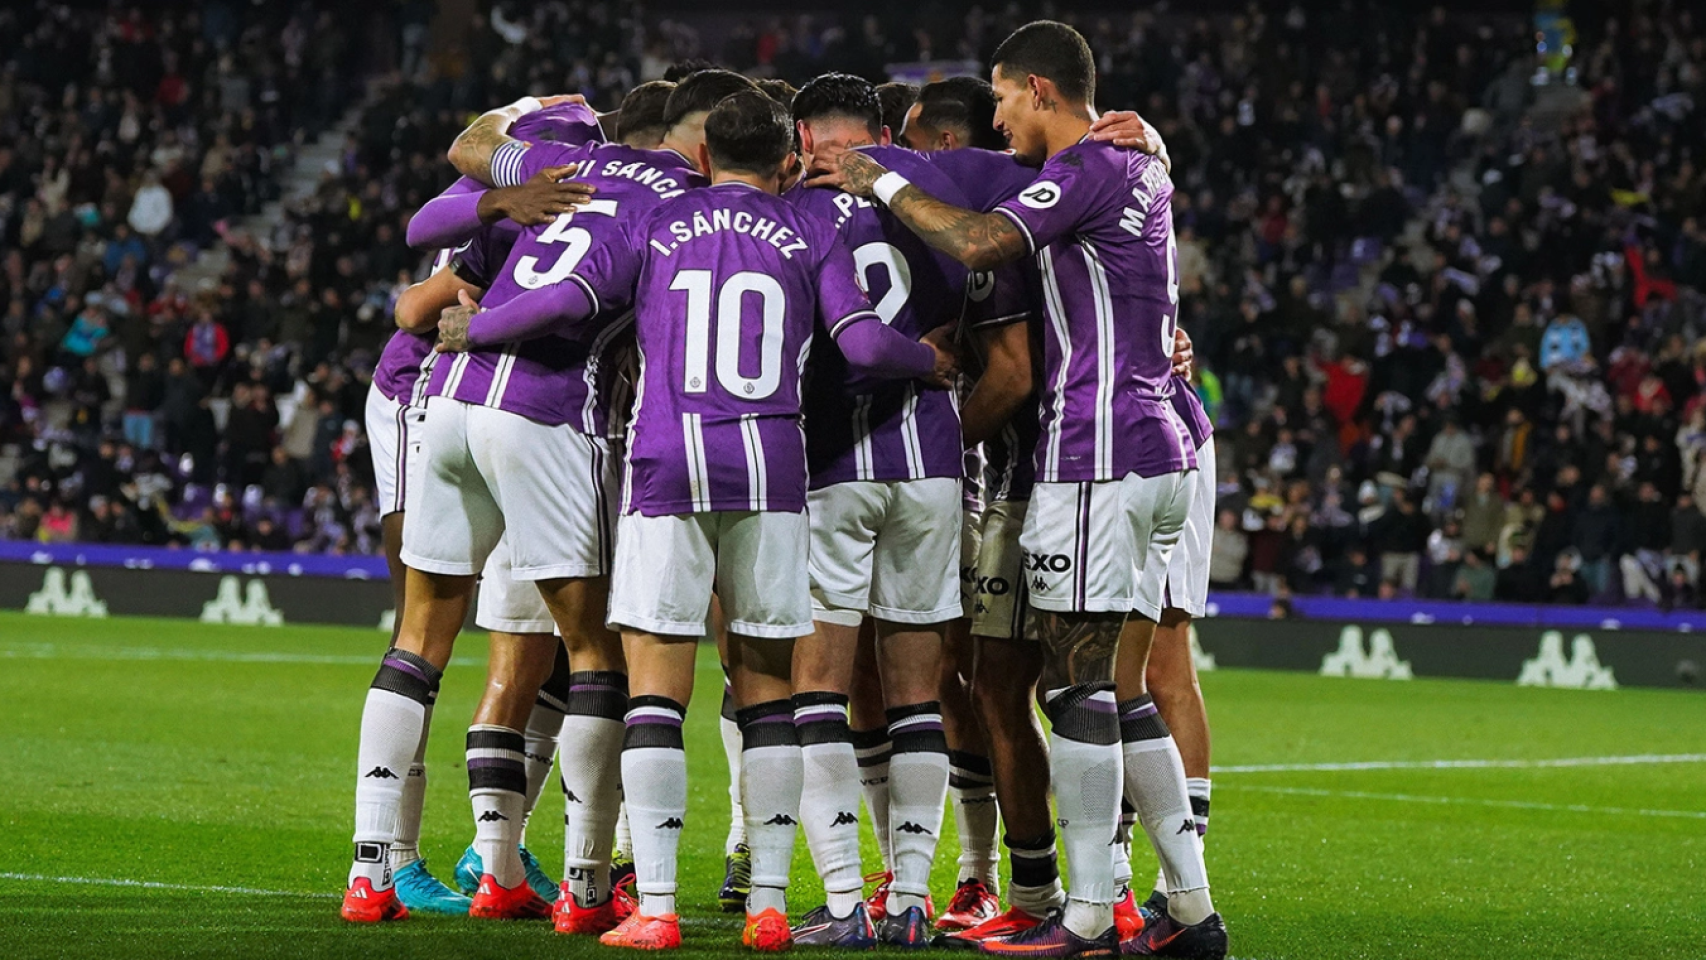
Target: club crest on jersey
[(1040, 195)]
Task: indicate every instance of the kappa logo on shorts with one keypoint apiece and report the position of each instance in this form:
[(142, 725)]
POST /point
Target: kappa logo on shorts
[(1047, 562)]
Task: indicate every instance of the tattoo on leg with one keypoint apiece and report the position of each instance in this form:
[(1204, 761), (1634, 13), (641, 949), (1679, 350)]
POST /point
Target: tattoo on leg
[(1081, 646)]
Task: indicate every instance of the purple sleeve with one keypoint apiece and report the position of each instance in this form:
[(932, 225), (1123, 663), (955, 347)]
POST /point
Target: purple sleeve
[(1073, 185), (840, 299), (879, 349), (536, 313), (515, 162), (997, 297), (446, 220)]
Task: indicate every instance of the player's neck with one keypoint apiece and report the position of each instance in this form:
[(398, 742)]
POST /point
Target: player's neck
[(760, 181), (1067, 125)]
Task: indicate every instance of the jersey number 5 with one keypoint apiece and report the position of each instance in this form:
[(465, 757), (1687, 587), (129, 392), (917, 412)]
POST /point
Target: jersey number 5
[(731, 336), (527, 273)]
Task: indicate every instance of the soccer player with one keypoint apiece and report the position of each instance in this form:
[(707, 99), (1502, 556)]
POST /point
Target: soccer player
[(1113, 462), (629, 183), (884, 508), (730, 283), (395, 411), (1171, 676)]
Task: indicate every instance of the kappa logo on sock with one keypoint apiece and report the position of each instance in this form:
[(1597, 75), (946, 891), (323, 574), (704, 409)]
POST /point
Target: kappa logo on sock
[(915, 828), (673, 823), (844, 818), (781, 820), (491, 816), (1189, 826), (381, 773)]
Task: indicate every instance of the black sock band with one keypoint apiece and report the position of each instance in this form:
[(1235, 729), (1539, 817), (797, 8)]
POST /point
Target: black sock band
[(497, 760), (1085, 712), (598, 693), (1033, 862), (768, 724), (1140, 719), (821, 717), (653, 722), (917, 728), (407, 675)]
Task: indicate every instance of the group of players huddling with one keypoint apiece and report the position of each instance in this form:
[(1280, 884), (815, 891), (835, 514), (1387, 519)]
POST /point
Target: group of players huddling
[(905, 428)]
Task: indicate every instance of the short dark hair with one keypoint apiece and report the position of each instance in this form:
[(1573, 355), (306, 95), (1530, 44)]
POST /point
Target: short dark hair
[(840, 95), (682, 69), (897, 97), (749, 132), (1052, 50), (965, 105), (701, 92), (642, 110), (778, 90)]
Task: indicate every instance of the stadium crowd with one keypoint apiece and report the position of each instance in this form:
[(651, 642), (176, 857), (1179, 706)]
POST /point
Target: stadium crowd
[(1447, 319)]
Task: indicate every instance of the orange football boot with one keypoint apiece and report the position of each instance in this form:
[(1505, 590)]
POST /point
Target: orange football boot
[(768, 931), (363, 904), (640, 932), (493, 901), (570, 917)]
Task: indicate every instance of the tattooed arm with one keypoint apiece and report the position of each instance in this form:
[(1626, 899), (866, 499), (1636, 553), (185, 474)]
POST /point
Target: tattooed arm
[(981, 241), (471, 152)]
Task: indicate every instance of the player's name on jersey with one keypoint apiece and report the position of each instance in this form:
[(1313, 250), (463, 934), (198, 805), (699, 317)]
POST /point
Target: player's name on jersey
[(721, 220), (665, 184)]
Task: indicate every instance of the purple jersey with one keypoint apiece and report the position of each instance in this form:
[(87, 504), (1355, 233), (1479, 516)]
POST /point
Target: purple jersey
[(985, 177), (731, 284), (1100, 221), (997, 299), (865, 428), (1189, 407), (555, 379)]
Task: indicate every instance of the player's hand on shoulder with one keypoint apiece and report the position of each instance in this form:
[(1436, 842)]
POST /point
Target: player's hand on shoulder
[(543, 197), (561, 98), (844, 169), (453, 324), (1124, 128), (947, 368)]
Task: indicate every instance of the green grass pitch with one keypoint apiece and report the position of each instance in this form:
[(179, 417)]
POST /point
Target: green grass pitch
[(195, 757)]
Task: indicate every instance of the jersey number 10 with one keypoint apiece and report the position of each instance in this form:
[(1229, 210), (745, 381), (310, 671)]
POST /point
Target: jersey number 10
[(730, 302)]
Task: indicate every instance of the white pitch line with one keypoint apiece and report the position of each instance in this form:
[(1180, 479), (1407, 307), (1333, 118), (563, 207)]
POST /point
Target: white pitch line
[(1466, 764), (151, 885), (1475, 801), (55, 651)]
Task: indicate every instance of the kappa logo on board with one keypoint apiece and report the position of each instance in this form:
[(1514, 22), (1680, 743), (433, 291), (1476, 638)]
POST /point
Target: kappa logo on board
[(1582, 671), (235, 603), (1378, 662), (62, 596)]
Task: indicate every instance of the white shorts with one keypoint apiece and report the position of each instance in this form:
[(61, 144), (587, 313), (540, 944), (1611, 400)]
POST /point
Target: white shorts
[(1104, 546), (1000, 581), (1187, 575), (507, 605), (666, 567), (889, 548), (971, 538), (391, 444), (554, 485)]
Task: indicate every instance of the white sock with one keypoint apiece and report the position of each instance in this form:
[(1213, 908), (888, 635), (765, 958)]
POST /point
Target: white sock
[(654, 780), (829, 800), (591, 768), (497, 789), (407, 847), (971, 779), (772, 772), (918, 789), (873, 751), (730, 731), (1033, 870), (544, 726), (391, 727), (624, 834), (1084, 766), (1121, 850), (1155, 783), (1198, 788)]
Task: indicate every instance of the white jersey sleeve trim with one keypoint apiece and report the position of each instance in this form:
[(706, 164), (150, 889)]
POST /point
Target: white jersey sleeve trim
[(1030, 241), (506, 163)]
